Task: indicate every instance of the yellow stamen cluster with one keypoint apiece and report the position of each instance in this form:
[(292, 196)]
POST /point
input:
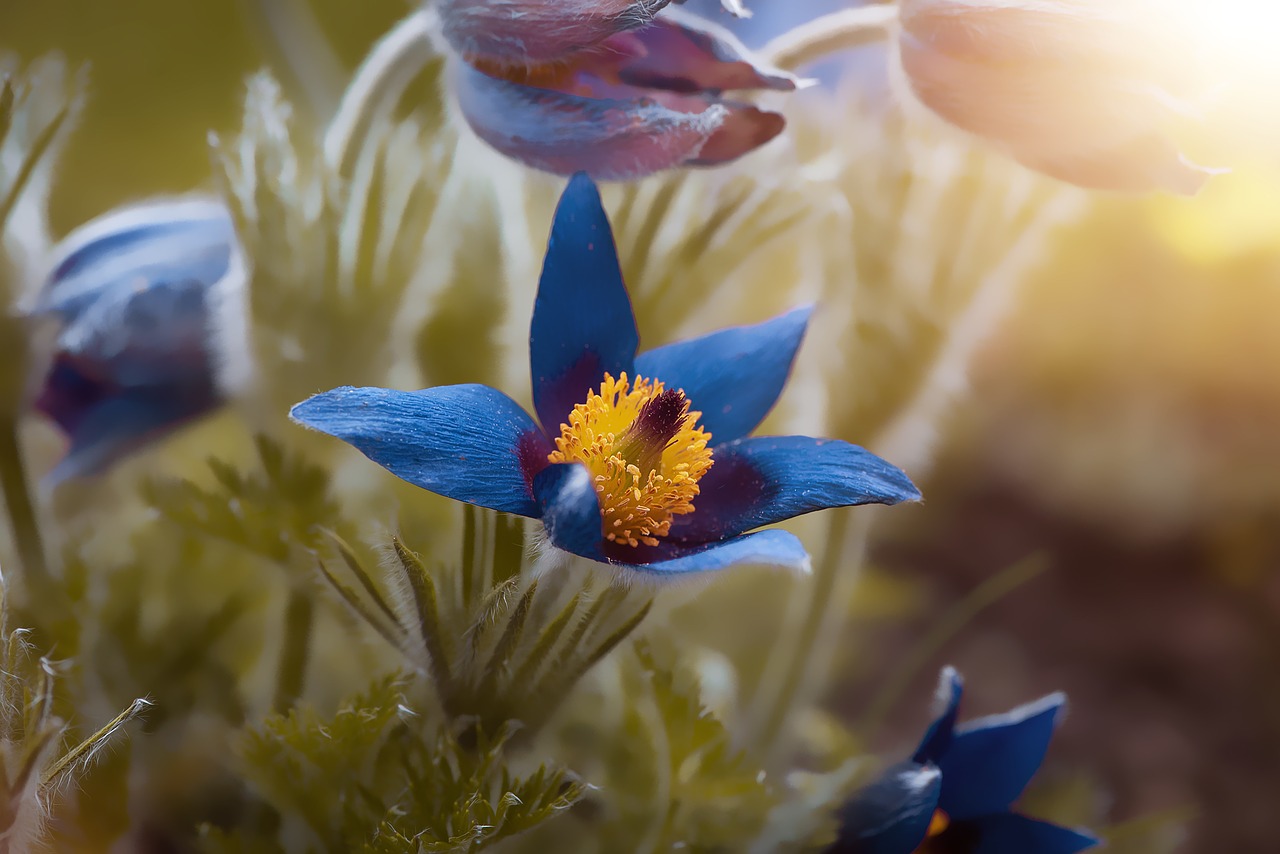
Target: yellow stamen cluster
[(643, 476)]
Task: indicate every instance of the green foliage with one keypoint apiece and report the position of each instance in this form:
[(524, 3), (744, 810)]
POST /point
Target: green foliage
[(37, 762), (270, 512), (380, 777), (498, 647)]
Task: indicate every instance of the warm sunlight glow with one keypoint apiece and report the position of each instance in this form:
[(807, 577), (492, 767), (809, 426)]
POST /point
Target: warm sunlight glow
[(1238, 39)]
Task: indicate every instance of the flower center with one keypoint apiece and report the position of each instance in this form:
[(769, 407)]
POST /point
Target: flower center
[(645, 454)]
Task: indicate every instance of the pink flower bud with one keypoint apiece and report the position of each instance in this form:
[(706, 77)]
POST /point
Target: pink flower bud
[(1086, 92)]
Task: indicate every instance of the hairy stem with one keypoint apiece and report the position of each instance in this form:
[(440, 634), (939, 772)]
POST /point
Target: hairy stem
[(299, 615), (943, 630), (390, 67), (21, 509), (797, 664), (848, 28), (300, 50)]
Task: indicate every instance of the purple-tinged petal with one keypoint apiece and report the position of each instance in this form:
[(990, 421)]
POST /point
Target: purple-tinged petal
[(519, 33), (610, 139), (148, 335), (990, 760), (892, 814), (763, 480), (1017, 834), (773, 547), (569, 508), (938, 738), (109, 428), (470, 442), (583, 325), (571, 517), (734, 376), (138, 247), (745, 128), (686, 53)]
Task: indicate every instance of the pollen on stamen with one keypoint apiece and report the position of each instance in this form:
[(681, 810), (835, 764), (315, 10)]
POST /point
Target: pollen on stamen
[(645, 453)]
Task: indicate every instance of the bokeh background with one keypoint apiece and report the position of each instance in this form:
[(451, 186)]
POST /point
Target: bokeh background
[(1115, 469)]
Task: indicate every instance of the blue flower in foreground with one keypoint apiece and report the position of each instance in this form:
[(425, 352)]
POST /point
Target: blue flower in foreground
[(626, 471), (142, 297), (954, 796)]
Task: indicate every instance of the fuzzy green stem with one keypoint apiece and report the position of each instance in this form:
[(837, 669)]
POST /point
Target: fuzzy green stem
[(295, 41), (830, 34), (21, 509), (956, 618), (299, 616), (798, 663), (390, 67)]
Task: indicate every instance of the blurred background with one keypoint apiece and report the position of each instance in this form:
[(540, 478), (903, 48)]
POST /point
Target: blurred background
[(1117, 462)]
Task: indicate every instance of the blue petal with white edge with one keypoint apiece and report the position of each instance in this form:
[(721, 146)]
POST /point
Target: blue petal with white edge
[(583, 325), (733, 377), (892, 814), (137, 247), (941, 731), (469, 442), (762, 480), (569, 508), (991, 760), (773, 547), (115, 426), (1017, 834)]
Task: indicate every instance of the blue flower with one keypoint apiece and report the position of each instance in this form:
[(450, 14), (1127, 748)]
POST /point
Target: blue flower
[(955, 794), (141, 297), (622, 469)]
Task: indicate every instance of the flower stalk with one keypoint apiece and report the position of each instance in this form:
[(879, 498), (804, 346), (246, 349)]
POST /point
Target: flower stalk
[(791, 674), (23, 520), (828, 34), (299, 619), (392, 64)]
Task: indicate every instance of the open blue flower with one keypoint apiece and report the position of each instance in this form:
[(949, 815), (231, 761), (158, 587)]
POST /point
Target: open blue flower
[(142, 298), (621, 470), (955, 794)]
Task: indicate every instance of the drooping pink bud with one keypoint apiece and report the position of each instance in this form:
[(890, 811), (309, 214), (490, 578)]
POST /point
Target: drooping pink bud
[(1083, 91), (640, 102)]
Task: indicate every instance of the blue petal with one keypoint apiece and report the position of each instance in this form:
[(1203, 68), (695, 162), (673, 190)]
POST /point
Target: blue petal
[(938, 738), (570, 510), (583, 325), (773, 547), (733, 377), (144, 336), (991, 760), (762, 480), (471, 443), (892, 815), (115, 426), (1016, 834), (135, 248)]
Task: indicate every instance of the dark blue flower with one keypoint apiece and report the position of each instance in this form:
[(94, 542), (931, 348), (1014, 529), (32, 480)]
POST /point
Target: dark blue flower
[(955, 794), (621, 470), (141, 297)]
